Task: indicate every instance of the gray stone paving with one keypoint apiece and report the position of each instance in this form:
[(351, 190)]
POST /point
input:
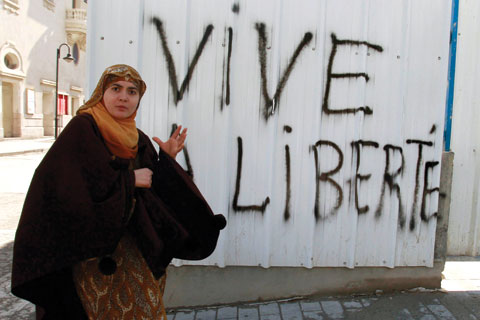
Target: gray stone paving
[(434, 305), (10, 306), (15, 176), (227, 313), (291, 311)]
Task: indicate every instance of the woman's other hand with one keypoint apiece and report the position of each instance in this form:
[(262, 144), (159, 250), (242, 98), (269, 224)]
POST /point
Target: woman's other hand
[(143, 178), (175, 144)]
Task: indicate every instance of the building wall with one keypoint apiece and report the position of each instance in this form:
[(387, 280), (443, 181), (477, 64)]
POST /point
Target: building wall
[(34, 32), (464, 222), (315, 127)]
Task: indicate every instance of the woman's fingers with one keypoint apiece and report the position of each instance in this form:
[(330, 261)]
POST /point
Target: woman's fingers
[(182, 136), (143, 178), (175, 143), (158, 141), (176, 133)]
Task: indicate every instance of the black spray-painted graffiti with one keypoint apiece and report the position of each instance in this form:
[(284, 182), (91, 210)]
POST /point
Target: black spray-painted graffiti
[(272, 103), (236, 8), (288, 177), (178, 94), (389, 179), (260, 208), (326, 176), (417, 177), (330, 75), (229, 60), (227, 75), (361, 177)]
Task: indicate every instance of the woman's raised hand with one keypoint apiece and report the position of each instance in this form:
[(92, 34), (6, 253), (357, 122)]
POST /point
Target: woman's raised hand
[(175, 144), (143, 178)]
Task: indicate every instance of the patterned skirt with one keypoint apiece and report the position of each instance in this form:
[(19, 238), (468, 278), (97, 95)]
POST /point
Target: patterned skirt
[(132, 292)]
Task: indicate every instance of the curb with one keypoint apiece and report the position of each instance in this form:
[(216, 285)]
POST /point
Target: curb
[(16, 153)]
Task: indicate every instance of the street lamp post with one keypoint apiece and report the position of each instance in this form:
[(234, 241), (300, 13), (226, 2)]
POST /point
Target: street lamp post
[(67, 58)]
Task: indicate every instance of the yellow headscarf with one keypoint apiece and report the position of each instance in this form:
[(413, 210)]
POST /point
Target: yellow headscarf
[(120, 135)]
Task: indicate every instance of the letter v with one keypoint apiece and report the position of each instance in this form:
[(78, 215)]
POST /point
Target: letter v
[(178, 94), (270, 103)]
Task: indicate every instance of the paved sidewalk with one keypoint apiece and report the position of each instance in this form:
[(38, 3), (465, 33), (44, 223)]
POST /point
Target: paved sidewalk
[(406, 305), (16, 146)]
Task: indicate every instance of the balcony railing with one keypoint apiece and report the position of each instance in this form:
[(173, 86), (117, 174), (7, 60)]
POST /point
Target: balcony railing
[(76, 27), (11, 5), (77, 14)]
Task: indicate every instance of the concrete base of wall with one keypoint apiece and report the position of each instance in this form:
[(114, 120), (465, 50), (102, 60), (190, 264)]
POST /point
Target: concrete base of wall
[(189, 286)]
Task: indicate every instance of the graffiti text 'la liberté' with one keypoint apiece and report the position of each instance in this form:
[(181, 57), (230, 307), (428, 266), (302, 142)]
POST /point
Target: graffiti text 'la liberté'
[(271, 105)]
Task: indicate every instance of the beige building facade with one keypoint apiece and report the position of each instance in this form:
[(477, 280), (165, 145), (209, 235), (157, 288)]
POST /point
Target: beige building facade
[(30, 34)]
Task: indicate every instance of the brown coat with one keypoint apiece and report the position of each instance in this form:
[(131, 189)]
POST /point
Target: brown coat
[(78, 207)]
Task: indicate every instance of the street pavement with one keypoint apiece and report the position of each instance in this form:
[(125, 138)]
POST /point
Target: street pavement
[(459, 297)]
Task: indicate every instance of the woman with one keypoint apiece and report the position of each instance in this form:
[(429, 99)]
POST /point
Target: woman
[(105, 214)]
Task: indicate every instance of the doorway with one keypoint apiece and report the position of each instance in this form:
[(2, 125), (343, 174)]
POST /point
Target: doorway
[(7, 109)]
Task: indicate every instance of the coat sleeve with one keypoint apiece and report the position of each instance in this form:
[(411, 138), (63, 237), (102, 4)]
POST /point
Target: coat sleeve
[(75, 208), (187, 206)]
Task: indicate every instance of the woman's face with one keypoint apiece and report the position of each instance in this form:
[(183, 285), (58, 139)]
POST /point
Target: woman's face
[(121, 99)]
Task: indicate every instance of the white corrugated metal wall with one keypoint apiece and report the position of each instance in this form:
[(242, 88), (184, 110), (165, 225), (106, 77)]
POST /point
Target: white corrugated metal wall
[(339, 135), (464, 222)]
